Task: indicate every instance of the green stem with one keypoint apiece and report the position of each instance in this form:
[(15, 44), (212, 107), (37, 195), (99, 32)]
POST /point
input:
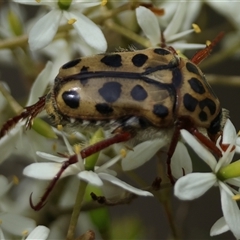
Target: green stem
[(11, 101), (76, 210), (128, 33)]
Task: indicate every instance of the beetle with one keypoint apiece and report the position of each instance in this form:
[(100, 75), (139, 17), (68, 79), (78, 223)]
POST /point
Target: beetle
[(131, 92)]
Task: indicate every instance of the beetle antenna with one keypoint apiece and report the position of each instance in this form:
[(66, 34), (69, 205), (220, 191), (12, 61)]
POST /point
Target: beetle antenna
[(29, 113), (204, 53)]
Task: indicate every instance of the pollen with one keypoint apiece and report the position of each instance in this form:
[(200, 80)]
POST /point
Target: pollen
[(54, 147), (123, 153), (15, 180), (236, 197), (25, 233), (60, 127), (196, 28), (103, 2), (208, 43), (77, 148), (72, 21), (38, 1)]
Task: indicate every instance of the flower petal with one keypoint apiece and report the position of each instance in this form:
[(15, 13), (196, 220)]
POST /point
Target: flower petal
[(88, 30), (1, 235), (201, 151), (142, 153), (4, 185), (177, 20), (91, 177), (44, 30), (230, 210), (193, 185), (47, 171), (229, 133), (39, 233), (181, 162), (123, 185), (16, 224), (40, 84), (44, 171), (149, 24), (219, 227), (51, 157)]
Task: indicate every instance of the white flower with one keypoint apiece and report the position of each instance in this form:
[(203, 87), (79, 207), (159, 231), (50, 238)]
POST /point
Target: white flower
[(194, 185), (48, 170), (39, 233), (45, 29), (15, 137), (16, 224), (5, 185), (151, 28)]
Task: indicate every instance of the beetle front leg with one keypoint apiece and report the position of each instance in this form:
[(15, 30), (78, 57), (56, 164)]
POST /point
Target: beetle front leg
[(188, 124), (120, 137)]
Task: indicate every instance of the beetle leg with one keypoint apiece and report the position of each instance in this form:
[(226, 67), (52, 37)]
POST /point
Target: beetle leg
[(188, 124), (28, 113), (204, 53), (171, 150), (73, 159), (122, 136)]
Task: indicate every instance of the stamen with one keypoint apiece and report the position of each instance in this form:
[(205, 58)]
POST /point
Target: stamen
[(25, 233), (54, 147), (15, 180), (236, 197), (77, 148), (72, 21), (60, 127), (208, 42), (103, 2), (123, 153), (38, 1), (196, 28)]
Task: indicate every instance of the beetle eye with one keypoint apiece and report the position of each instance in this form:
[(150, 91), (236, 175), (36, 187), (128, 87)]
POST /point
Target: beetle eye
[(71, 98)]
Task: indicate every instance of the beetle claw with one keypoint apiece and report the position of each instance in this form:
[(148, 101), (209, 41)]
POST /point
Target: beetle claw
[(37, 207)]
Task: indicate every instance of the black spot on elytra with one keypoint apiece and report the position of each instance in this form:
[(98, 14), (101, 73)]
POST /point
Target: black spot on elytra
[(71, 98), (113, 60), (203, 116), (215, 126), (160, 110), (210, 104), (138, 93), (139, 59), (196, 85), (103, 108), (176, 77), (110, 91), (192, 68), (84, 70), (189, 102), (71, 63), (161, 51)]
